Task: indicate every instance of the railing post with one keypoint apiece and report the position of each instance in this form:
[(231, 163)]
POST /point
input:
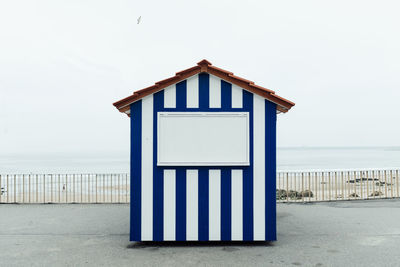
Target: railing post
[(316, 185), (341, 185), (386, 189), (81, 188), (397, 183), (323, 185), (391, 184), (66, 188), (309, 186), (287, 187), (119, 188), (380, 184), (15, 189), (126, 188), (329, 186), (8, 190), (302, 186), (23, 188), (104, 188), (294, 187), (367, 179), (336, 185), (51, 187), (88, 188), (44, 188), (59, 189), (29, 188), (37, 189), (361, 184), (373, 184), (347, 185), (96, 187), (73, 188)]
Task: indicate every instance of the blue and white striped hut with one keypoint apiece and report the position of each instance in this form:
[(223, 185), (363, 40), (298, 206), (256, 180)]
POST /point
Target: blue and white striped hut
[(203, 157)]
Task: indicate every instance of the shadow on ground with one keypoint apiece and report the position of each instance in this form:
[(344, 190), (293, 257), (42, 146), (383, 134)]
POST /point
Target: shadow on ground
[(138, 245)]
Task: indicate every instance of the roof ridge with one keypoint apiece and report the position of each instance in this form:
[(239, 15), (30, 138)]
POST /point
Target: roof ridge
[(204, 62)]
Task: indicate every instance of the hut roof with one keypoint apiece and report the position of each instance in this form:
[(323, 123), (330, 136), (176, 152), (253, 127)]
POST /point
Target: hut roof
[(283, 105)]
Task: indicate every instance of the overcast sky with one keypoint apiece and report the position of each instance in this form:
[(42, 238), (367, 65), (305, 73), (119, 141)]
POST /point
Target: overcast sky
[(63, 64)]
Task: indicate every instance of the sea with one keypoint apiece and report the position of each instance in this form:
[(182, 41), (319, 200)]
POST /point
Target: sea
[(288, 159)]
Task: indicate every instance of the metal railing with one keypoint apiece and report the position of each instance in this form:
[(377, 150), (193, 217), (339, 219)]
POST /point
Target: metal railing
[(336, 185), (115, 188), (64, 188)]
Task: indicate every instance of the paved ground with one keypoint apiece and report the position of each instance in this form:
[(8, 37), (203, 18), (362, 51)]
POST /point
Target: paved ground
[(347, 233)]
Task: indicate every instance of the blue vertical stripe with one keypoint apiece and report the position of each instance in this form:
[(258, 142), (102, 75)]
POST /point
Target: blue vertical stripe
[(158, 181), (204, 90), (270, 170), (180, 220), (181, 94), (181, 175), (203, 203), (136, 171), (226, 180), (248, 227), (226, 207), (226, 95)]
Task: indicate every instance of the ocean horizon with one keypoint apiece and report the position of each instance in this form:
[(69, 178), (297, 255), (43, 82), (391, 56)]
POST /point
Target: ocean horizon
[(288, 159)]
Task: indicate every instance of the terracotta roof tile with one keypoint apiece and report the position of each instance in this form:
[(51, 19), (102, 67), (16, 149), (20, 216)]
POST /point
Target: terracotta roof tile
[(241, 79), (182, 72), (168, 80), (146, 89), (262, 88), (221, 70)]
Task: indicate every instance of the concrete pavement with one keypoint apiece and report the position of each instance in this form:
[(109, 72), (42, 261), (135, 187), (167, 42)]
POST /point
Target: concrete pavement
[(347, 233)]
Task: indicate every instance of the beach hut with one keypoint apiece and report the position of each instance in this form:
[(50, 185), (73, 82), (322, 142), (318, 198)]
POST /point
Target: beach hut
[(203, 157)]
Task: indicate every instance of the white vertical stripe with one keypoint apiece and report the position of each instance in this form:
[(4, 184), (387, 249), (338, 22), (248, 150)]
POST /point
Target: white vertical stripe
[(259, 167), (170, 96), (237, 204), (192, 92), (215, 205), (215, 92), (147, 168), (192, 205), (237, 95), (169, 205)]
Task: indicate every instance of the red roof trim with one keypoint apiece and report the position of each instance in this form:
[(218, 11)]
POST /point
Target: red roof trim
[(182, 72), (204, 62), (283, 105)]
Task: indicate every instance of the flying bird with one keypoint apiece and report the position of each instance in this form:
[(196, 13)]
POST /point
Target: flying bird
[(138, 20)]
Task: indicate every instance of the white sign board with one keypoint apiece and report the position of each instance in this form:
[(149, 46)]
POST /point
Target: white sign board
[(203, 139)]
